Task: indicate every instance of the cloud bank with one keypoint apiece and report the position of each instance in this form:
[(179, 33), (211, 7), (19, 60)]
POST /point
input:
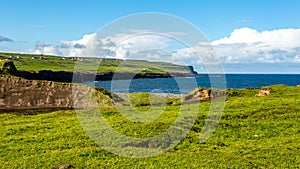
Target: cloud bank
[(244, 45), (119, 46)]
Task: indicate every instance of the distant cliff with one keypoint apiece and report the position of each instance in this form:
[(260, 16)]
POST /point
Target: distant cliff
[(8, 67), (191, 70)]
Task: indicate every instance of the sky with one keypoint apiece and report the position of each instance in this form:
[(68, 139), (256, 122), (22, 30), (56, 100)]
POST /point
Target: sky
[(248, 36)]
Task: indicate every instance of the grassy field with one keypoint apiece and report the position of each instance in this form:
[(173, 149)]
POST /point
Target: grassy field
[(254, 132), (35, 63)]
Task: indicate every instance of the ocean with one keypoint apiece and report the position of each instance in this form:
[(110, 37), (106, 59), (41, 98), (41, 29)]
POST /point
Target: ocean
[(184, 85)]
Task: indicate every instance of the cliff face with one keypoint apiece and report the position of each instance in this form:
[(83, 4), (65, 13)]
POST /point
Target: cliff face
[(8, 67), (20, 94), (77, 77), (191, 70)]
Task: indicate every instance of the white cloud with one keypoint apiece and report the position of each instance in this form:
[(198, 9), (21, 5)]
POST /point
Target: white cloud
[(246, 45), (142, 42), (243, 35), (43, 48), (121, 46)]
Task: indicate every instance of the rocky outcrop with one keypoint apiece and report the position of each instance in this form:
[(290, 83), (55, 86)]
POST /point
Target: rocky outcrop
[(20, 94), (264, 92), (191, 70), (202, 94), (7, 67)]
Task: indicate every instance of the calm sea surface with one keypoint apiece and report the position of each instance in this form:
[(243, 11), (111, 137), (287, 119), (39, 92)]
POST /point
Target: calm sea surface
[(184, 85)]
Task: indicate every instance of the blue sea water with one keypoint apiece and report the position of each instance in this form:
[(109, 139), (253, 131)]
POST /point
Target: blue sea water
[(185, 85)]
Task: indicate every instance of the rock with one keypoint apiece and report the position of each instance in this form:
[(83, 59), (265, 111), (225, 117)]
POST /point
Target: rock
[(21, 94), (264, 92), (202, 94), (7, 67)]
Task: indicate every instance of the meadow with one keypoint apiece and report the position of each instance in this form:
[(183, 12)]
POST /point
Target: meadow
[(254, 132)]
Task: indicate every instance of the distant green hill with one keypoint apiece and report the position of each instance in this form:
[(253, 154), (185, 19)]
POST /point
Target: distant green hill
[(35, 63)]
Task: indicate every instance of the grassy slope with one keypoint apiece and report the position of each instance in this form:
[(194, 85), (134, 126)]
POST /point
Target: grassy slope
[(56, 63), (50, 139)]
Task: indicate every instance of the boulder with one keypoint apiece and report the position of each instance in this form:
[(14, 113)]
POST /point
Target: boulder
[(202, 94), (264, 92), (7, 67), (20, 94)]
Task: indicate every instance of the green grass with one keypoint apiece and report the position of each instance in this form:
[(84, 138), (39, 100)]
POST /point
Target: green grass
[(254, 132), (57, 63)]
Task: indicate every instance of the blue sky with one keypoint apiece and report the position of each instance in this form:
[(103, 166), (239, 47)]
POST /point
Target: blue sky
[(27, 22)]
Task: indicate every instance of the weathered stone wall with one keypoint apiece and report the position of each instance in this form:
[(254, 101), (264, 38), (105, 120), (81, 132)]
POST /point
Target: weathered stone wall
[(18, 93)]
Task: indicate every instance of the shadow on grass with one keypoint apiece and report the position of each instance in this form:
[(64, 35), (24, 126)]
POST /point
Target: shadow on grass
[(30, 112)]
